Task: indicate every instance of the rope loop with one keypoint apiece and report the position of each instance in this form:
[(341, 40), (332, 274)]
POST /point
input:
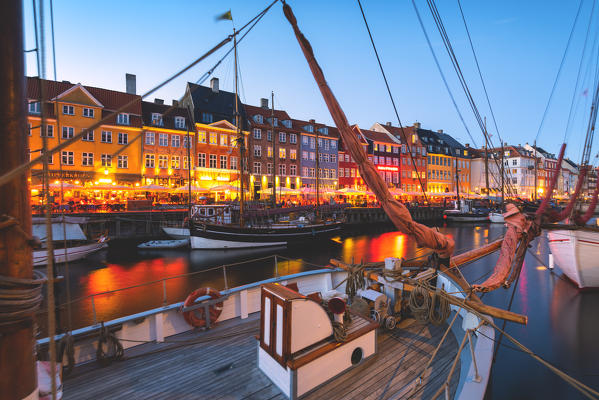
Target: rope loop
[(114, 348), (339, 332), (420, 302), (440, 308), (20, 297)]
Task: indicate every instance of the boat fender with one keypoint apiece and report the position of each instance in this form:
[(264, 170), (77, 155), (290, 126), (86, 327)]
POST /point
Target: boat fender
[(196, 318)]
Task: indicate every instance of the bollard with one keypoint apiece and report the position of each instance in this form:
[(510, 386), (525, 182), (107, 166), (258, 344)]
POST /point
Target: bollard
[(551, 265)]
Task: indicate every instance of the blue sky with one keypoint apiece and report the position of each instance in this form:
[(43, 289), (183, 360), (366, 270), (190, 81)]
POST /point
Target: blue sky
[(519, 45)]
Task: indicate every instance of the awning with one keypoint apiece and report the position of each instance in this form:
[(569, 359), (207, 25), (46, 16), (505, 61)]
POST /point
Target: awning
[(73, 231)]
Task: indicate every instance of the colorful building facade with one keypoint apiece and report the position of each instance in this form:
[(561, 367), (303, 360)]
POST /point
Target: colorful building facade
[(318, 143)]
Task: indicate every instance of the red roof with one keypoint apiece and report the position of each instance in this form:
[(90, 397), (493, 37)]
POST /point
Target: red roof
[(379, 137)]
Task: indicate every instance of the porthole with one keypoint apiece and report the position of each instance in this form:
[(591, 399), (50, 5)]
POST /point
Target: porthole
[(356, 356)]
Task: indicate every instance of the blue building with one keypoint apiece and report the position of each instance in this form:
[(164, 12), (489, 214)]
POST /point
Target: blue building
[(318, 140)]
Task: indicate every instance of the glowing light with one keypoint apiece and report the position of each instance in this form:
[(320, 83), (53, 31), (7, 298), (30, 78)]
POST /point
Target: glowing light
[(136, 183), (387, 168), (105, 171), (222, 178), (170, 171), (251, 178), (156, 171), (206, 178), (104, 180), (76, 182), (541, 268)]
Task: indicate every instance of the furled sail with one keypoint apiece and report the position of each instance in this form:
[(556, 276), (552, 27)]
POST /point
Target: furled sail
[(555, 217), (397, 212), (552, 183)]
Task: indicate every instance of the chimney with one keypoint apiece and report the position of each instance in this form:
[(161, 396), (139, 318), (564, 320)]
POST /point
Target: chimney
[(440, 131), (175, 103), (264, 103), (130, 83), (312, 121), (158, 101), (467, 145), (214, 85), (417, 125), (388, 124)]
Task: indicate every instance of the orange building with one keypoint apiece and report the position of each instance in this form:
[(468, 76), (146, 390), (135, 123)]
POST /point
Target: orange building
[(110, 154), (167, 133)]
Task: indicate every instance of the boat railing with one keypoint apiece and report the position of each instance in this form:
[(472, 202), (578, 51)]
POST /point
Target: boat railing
[(280, 274)]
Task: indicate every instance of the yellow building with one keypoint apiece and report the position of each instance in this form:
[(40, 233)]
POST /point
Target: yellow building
[(108, 155)]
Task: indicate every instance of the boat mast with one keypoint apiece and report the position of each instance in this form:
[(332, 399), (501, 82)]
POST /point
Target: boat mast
[(274, 149), (486, 162), (457, 184), (502, 175), (17, 363), (535, 158), (240, 138), (317, 175)]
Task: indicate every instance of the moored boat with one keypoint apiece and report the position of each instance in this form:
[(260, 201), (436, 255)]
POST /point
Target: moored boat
[(496, 218), (164, 244), (576, 252)]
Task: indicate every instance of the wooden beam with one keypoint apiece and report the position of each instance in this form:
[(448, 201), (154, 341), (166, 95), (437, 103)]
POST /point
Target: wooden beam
[(474, 302)]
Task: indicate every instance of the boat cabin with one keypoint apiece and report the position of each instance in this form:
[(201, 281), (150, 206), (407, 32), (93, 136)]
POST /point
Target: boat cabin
[(212, 213), (297, 349)]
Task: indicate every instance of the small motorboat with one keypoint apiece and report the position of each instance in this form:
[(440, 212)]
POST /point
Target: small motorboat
[(466, 212), (496, 218), (164, 244), (176, 233)]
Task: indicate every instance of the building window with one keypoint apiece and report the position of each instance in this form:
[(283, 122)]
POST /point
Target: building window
[(282, 169), (269, 168), (175, 140), (107, 137), (257, 150), (292, 154), (282, 137), (269, 136), (150, 160), (185, 162), (123, 119), (312, 156), (305, 172), (122, 162), (292, 138), (213, 138), (106, 160), (179, 122), (333, 174), (269, 151), (68, 110), (312, 143), (50, 131), (68, 158), (233, 162), (88, 136), (311, 173), (206, 118), (282, 153), (305, 140), (257, 168), (340, 172), (67, 132), (258, 118), (87, 159), (333, 157), (202, 160), (304, 155), (257, 133), (223, 162), (212, 161), (186, 141), (34, 107), (156, 119), (163, 139), (175, 162), (292, 170), (123, 138), (162, 161), (326, 144), (224, 139), (88, 112), (201, 137)]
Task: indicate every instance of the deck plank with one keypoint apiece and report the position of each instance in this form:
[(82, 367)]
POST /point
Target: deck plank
[(222, 364)]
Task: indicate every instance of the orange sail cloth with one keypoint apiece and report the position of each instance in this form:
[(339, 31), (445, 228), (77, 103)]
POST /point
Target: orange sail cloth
[(397, 212), (566, 211), (549, 193), (517, 225)]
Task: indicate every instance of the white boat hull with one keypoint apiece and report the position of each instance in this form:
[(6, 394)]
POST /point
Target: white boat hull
[(496, 218), (212, 244), (176, 233), (164, 244), (40, 257), (576, 252)]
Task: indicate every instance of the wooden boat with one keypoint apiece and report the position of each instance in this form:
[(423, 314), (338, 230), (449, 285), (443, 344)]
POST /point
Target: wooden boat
[(176, 233), (164, 244), (238, 363), (466, 212), (78, 246), (576, 252)]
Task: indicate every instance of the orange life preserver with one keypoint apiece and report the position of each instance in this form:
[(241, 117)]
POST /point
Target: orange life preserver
[(196, 317)]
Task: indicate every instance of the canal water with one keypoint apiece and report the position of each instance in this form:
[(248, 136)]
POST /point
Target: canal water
[(563, 323)]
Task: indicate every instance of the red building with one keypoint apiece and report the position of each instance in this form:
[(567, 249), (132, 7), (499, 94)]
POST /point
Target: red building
[(349, 176), (384, 152)]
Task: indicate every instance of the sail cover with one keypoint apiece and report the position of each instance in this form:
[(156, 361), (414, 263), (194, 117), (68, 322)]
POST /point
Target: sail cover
[(397, 212), (73, 232)]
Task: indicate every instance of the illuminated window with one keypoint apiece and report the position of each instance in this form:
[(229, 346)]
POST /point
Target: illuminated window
[(68, 158), (163, 161), (106, 160), (292, 154), (150, 139), (175, 162), (282, 153), (201, 137), (269, 152), (123, 162), (341, 173), (157, 119), (224, 140), (213, 138), (150, 159), (87, 159)]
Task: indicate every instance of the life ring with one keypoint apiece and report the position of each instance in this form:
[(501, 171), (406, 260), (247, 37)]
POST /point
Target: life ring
[(197, 317)]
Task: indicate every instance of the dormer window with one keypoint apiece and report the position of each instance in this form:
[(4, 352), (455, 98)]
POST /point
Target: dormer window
[(258, 119), (324, 130), (68, 110), (122, 119), (157, 119), (276, 122), (34, 107), (206, 118), (287, 123), (309, 128), (179, 122)]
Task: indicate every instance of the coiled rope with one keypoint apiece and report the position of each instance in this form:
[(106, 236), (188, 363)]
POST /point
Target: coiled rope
[(440, 308), (420, 302), (339, 332), (114, 348), (20, 297)]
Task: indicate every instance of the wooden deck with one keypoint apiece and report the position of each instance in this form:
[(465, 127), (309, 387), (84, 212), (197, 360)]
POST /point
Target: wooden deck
[(222, 364)]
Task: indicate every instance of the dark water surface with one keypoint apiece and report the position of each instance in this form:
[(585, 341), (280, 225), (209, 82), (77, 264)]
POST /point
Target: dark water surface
[(563, 323)]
